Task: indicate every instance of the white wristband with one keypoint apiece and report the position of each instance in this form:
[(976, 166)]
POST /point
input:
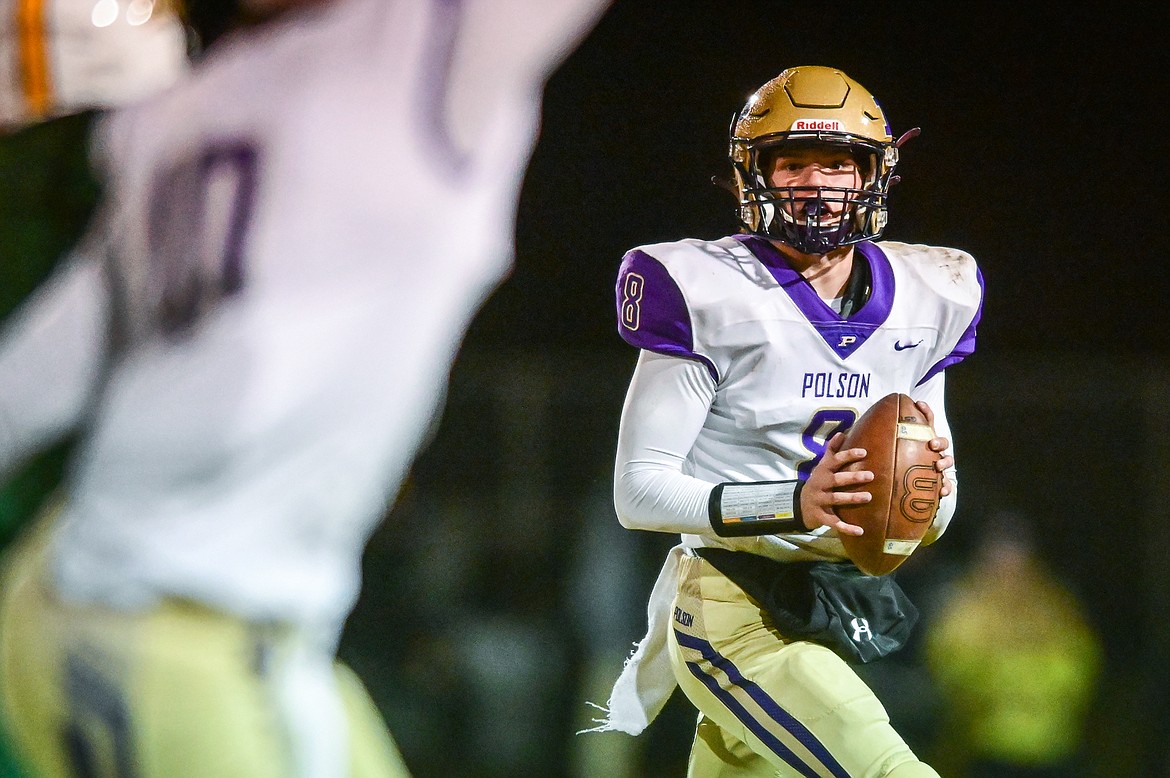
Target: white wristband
[(758, 508)]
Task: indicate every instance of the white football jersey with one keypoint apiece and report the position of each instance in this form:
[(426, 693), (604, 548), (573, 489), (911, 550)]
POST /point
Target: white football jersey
[(296, 237), (788, 370)]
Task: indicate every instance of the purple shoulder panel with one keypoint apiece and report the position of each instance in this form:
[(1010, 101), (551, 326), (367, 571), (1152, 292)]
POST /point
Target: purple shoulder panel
[(966, 345), (652, 313)]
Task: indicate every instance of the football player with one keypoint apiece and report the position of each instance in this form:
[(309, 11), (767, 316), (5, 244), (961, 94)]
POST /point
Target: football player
[(757, 351), (58, 70), (254, 340), (60, 67)]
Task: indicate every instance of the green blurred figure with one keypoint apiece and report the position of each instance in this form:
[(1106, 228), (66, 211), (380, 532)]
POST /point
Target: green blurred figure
[(1016, 663), (61, 62)]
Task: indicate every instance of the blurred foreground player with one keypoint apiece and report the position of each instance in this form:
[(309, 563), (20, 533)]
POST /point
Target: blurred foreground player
[(255, 340), (58, 71), (756, 351)]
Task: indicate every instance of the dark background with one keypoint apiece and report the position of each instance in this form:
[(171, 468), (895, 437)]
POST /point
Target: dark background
[(512, 590), (1043, 153)]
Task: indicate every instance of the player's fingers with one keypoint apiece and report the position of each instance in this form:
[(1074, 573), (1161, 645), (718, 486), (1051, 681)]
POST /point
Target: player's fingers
[(833, 445), (938, 444), (845, 528), (948, 486), (923, 406), (850, 455), (851, 477), (850, 498), (944, 463)]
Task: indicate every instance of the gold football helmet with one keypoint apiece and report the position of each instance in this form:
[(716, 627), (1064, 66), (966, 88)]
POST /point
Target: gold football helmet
[(813, 105)]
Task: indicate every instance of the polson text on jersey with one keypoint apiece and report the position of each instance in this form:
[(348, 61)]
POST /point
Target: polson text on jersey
[(835, 385)]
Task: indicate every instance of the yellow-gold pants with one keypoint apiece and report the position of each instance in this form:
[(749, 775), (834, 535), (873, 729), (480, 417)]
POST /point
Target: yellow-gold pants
[(770, 706), (175, 691)]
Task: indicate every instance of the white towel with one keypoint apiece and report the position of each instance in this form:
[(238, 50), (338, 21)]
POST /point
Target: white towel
[(647, 680)]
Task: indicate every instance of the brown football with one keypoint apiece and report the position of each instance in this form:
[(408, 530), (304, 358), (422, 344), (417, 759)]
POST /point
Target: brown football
[(905, 487)]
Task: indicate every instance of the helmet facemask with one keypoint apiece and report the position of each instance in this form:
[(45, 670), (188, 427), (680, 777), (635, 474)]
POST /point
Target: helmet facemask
[(816, 219)]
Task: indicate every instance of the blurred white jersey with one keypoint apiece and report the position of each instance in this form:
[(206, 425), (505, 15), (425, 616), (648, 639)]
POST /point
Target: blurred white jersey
[(296, 238)]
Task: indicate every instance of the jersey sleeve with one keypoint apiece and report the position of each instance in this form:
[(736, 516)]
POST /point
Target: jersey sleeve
[(965, 346), (665, 407), (652, 311)]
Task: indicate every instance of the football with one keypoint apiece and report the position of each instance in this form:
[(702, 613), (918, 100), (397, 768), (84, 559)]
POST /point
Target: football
[(906, 488)]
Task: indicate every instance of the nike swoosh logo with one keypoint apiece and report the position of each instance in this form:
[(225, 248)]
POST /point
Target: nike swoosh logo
[(899, 346)]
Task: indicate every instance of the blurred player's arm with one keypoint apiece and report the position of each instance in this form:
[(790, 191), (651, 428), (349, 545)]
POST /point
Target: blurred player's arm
[(52, 350), (933, 392), (506, 45)]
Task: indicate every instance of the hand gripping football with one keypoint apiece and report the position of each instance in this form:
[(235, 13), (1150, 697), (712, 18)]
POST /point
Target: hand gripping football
[(906, 488)]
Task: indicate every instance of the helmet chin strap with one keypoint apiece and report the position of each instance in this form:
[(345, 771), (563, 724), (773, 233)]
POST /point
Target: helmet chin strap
[(727, 184), (816, 213), (814, 210), (808, 237), (908, 135)]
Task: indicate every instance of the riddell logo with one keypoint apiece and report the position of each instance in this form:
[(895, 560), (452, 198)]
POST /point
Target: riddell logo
[(816, 124)]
